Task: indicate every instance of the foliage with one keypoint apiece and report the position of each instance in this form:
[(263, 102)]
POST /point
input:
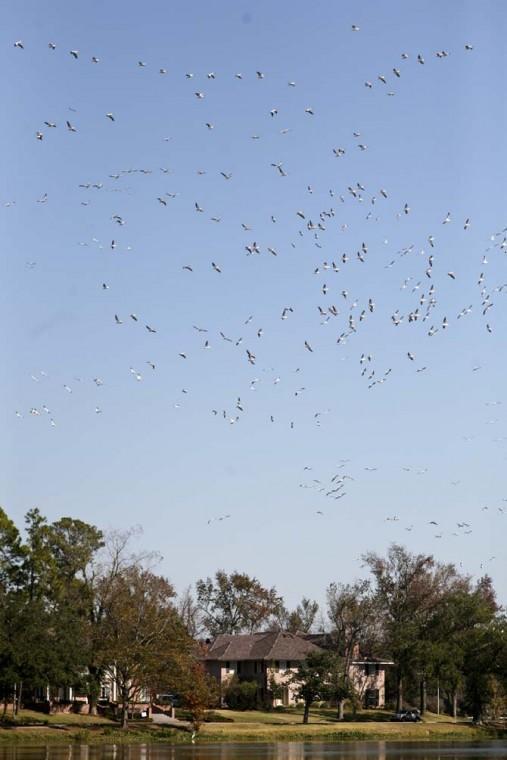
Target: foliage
[(302, 619), (76, 605), (312, 679), (410, 590), (199, 692), (241, 695), (236, 603), (275, 690), (144, 641)]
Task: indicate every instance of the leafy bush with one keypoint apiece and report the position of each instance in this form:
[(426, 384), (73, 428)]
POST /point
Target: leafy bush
[(241, 695)]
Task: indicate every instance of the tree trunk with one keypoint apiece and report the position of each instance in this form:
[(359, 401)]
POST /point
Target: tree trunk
[(125, 709), (422, 695), (454, 704), (15, 700), (341, 710), (20, 693), (92, 704), (399, 691), (94, 689), (306, 714)]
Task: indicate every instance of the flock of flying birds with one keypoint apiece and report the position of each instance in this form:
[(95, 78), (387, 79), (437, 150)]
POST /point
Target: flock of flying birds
[(339, 307)]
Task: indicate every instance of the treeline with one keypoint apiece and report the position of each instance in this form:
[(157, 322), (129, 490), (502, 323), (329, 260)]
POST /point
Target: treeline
[(78, 606)]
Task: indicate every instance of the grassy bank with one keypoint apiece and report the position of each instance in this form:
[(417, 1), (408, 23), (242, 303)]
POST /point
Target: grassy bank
[(255, 726)]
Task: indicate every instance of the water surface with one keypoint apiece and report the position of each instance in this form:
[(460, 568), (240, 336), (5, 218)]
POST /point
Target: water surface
[(280, 751)]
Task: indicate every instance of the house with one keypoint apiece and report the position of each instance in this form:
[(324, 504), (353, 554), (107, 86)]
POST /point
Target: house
[(261, 657), (369, 678), (367, 673), (274, 655)]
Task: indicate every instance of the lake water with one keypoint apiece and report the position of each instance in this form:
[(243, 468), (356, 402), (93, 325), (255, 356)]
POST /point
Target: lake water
[(280, 751)]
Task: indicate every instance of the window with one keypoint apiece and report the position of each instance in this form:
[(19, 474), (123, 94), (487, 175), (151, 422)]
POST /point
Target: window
[(289, 665), (371, 698), (283, 665), (238, 667)]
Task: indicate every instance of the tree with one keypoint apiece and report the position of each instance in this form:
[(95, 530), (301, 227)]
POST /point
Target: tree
[(144, 642), (190, 613), (42, 627), (353, 614), (302, 619), (236, 603), (339, 686), (11, 558), (484, 647), (312, 679), (199, 692), (408, 588)]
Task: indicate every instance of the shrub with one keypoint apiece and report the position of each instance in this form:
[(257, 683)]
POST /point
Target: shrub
[(241, 695)]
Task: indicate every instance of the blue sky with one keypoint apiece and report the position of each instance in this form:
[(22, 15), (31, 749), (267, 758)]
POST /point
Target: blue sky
[(421, 446)]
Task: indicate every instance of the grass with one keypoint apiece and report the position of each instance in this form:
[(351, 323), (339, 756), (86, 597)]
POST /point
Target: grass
[(251, 726), (367, 725), (65, 719)]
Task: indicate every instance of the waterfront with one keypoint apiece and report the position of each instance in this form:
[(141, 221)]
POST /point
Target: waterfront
[(279, 751)]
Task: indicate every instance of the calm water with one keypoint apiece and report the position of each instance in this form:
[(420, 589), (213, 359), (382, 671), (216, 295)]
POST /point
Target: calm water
[(281, 751)]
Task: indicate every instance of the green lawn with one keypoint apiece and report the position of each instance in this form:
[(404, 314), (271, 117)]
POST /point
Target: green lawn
[(254, 726), (63, 719), (321, 716)]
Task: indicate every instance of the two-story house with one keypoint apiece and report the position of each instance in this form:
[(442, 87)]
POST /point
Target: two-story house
[(272, 656), (261, 657)]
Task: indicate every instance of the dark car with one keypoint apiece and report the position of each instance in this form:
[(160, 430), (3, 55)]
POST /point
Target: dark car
[(407, 716), (169, 700)]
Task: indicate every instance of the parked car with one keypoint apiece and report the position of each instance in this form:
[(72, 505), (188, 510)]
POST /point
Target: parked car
[(171, 700), (407, 716)]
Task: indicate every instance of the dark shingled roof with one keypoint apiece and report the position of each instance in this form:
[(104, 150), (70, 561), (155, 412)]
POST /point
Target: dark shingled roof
[(273, 645)]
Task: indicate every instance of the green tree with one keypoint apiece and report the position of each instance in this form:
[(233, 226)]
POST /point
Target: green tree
[(409, 589), (312, 680), (11, 559), (47, 642)]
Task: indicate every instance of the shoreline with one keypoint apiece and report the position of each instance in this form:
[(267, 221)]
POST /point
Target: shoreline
[(242, 733)]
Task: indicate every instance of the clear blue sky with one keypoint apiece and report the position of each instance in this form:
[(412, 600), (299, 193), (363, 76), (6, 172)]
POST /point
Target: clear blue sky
[(159, 456)]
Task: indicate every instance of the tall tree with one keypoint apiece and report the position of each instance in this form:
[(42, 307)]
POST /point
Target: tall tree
[(353, 614), (11, 580), (145, 645), (408, 588), (75, 547), (236, 603)]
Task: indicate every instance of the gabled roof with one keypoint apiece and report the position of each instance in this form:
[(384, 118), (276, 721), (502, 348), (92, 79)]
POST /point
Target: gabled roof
[(272, 645)]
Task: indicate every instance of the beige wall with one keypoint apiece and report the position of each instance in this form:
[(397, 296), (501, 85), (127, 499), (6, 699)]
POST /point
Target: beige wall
[(363, 681), (253, 670), (281, 675)]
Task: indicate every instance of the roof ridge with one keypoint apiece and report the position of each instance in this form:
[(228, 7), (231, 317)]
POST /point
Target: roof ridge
[(277, 638)]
